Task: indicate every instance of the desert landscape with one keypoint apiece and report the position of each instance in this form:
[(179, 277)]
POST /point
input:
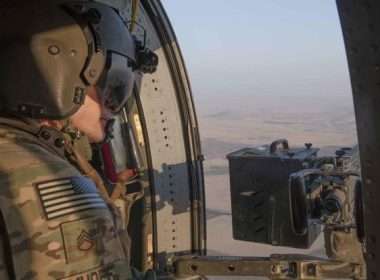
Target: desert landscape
[(227, 126)]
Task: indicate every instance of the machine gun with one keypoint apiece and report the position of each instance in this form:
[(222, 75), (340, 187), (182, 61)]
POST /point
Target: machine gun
[(282, 196), (330, 193)]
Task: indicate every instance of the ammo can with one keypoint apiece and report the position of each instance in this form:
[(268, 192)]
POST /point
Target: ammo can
[(259, 185)]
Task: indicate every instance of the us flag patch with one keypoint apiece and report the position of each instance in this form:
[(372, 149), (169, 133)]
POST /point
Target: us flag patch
[(69, 195)]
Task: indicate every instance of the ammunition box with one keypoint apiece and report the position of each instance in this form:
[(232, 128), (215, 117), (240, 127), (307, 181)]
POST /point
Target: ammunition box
[(259, 184)]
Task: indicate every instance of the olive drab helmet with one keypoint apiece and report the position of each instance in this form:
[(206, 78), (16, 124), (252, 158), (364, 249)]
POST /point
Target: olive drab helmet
[(51, 51)]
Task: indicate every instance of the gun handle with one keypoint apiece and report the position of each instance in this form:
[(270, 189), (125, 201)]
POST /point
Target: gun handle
[(359, 214), (298, 206), (274, 144)]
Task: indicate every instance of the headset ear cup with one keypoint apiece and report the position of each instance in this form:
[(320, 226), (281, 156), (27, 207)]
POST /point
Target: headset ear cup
[(62, 71), (40, 67)]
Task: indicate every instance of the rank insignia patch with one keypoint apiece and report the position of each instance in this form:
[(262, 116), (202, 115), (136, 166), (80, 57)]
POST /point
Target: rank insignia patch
[(67, 196), (85, 241)]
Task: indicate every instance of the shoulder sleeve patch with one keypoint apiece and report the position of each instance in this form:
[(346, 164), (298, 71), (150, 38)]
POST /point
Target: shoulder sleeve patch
[(68, 195)]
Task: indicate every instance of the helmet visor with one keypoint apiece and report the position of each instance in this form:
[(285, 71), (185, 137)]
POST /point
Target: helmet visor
[(116, 83)]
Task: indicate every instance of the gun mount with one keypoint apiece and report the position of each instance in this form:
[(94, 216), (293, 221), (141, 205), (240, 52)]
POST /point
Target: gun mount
[(274, 267)]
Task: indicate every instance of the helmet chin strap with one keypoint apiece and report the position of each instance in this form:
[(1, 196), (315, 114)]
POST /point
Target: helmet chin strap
[(77, 134)]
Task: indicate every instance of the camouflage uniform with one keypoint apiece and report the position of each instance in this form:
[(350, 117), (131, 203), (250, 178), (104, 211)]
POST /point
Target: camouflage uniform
[(74, 242)]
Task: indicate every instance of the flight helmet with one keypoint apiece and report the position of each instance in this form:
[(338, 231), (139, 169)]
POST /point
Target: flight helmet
[(51, 51)]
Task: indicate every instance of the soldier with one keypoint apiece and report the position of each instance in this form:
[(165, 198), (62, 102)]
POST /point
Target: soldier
[(65, 68)]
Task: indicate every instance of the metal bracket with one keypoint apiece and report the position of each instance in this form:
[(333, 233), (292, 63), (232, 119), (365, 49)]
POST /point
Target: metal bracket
[(275, 267)]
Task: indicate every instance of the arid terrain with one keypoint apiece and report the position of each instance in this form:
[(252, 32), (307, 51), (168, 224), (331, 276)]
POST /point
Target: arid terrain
[(328, 123), (227, 126)]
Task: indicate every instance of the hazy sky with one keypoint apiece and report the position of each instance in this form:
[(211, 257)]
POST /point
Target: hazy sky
[(254, 48)]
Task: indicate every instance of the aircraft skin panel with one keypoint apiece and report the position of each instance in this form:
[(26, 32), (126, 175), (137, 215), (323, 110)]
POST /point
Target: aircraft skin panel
[(361, 31), (168, 155), (190, 122)]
